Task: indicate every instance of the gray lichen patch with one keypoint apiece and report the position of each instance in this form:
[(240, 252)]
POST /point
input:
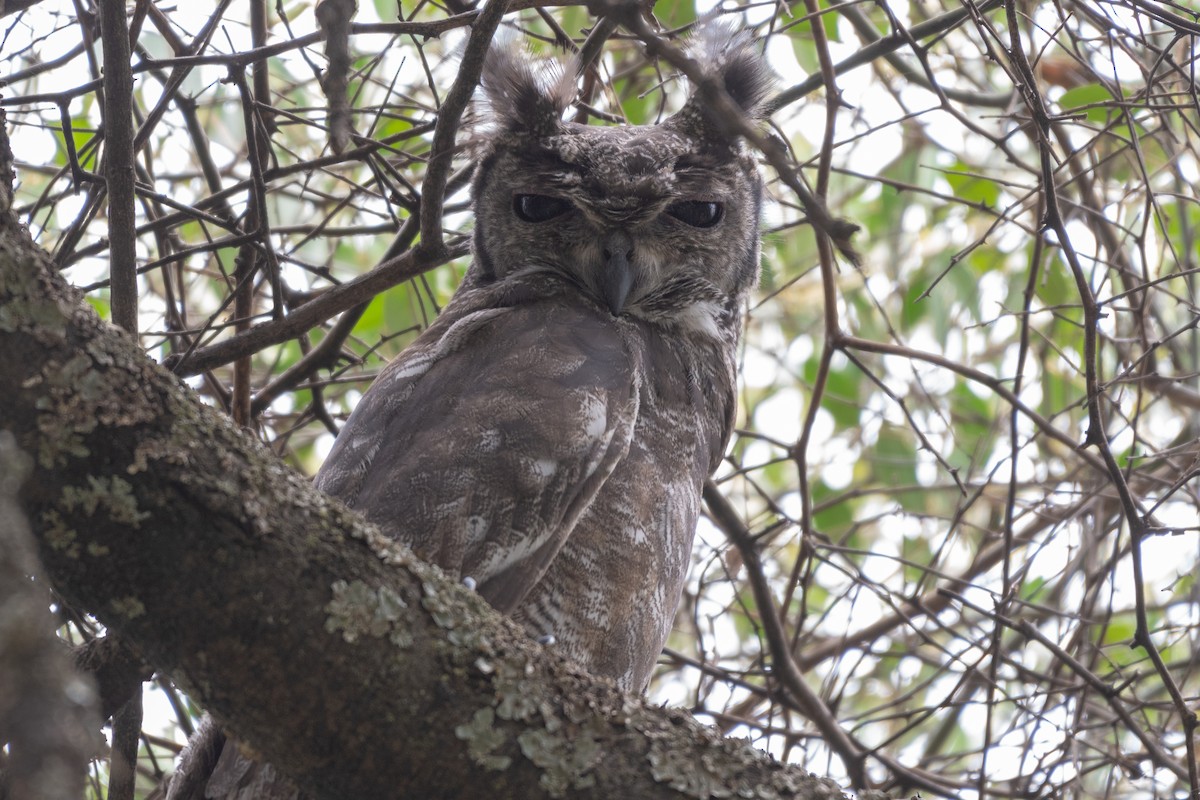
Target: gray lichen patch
[(79, 375), (566, 761), (517, 692), (153, 450), (358, 610), (678, 769), (564, 736), (80, 394), (483, 738), (389, 551), (112, 494), (58, 535), (129, 607), (57, 443), (452, 606), (440, 605), (718, 767), (25, 305)]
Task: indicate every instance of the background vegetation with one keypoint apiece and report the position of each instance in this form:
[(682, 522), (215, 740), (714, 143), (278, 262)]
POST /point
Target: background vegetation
[(954, 546)]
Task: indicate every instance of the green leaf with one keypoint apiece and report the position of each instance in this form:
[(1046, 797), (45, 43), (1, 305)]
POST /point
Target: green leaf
[(370, 324), (973, 420), (805, 50), (1093, 96), (778, 475), (388, 10), (895, 462), (1055, 286), (1118, 631), (100, 304), (971, 187), (829, 21), (1034, 590), (915, 308), (917, 551), (227, 257), (1057, 392), (85, 154), (638, 109), (843, 391), (283, 356), (675, 13), (576, 20), (837, 518)]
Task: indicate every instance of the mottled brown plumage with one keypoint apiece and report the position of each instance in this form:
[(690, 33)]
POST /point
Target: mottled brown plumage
[(548, 436)]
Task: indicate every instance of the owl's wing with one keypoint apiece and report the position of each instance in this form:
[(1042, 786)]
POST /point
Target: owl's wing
[(482, 444)]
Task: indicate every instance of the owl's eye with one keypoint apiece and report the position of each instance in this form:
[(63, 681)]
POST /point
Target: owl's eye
[(697, 213), (539, 207)]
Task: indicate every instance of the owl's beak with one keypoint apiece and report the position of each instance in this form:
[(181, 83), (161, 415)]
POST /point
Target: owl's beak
[(617, 278)]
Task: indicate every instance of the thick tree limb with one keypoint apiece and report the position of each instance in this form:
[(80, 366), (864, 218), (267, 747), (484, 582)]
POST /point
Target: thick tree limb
[(347, 663), (47, 714)]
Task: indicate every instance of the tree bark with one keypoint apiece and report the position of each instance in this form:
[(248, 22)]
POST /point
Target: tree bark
[(48, 717), (332, 651)]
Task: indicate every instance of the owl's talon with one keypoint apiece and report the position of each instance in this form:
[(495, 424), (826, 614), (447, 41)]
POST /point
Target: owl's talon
[(547, 639), (468, 582)]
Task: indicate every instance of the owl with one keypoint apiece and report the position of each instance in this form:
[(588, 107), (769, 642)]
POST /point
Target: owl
[(547, 438)]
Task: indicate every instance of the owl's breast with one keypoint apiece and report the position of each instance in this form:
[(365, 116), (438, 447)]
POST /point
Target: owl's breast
[(610, 595), (552, 452), (689, 385)]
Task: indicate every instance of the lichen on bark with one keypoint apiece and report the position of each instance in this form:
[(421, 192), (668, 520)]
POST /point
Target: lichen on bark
[(482, 738), (358, 610), (110, 494)]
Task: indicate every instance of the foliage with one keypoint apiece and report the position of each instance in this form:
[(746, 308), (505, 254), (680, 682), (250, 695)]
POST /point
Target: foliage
[(966, 468)]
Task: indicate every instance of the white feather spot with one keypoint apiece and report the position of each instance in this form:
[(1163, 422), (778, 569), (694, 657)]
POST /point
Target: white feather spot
[(490, 441), (638, 534), (477, 528), (372, 445), (701, 317), (595, 417), (413, 368), (445, 511), (522, 545), (417, 364)]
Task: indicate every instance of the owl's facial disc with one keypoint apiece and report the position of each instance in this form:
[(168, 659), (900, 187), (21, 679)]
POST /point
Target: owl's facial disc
[(627, 243)]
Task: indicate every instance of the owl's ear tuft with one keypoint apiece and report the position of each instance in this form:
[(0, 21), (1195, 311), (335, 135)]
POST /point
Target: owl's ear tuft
[(732, 60), (744, 72), (525, 95)]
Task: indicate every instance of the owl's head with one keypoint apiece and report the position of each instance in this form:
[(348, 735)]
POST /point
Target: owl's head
[(659, 222)]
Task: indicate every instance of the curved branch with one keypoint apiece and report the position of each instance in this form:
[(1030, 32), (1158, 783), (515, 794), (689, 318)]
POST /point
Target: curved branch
[(332, 651)]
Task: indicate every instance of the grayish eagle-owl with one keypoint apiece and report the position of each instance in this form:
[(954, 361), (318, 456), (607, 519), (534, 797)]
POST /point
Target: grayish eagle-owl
[(549, 435)]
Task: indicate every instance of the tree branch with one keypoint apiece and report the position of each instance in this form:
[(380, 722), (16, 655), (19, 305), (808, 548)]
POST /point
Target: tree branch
[(47, 713), (118, 164), (344, 661)]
